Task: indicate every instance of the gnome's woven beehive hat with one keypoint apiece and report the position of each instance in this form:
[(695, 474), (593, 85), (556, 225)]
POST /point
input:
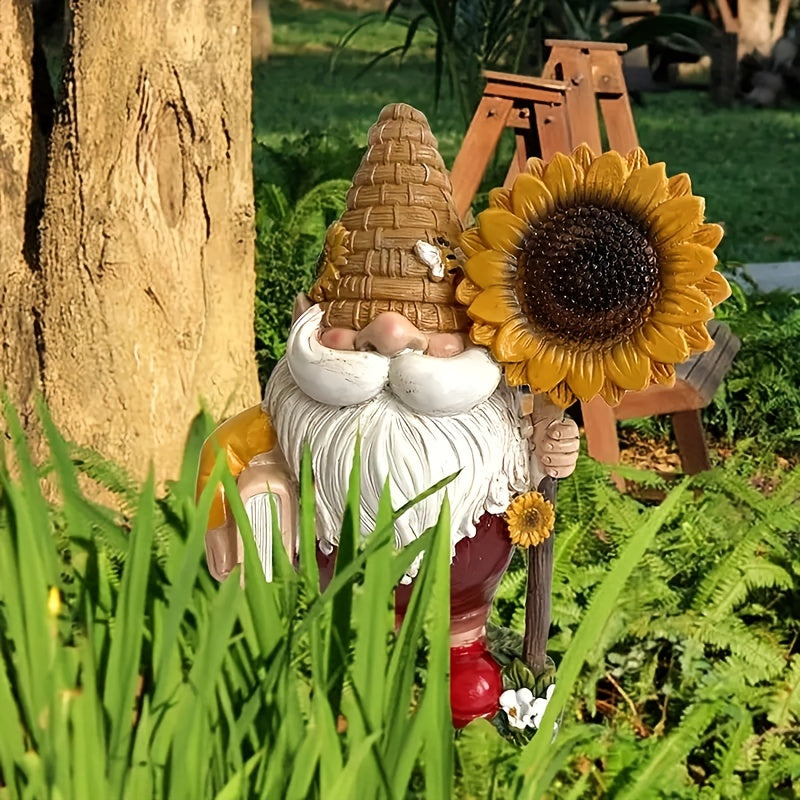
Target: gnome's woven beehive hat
[(392, 249)]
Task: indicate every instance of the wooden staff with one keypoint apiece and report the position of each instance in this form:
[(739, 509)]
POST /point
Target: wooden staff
[(537, 599)]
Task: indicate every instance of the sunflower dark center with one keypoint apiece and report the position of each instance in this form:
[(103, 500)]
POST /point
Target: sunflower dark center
[(530, 518), (587, 276)]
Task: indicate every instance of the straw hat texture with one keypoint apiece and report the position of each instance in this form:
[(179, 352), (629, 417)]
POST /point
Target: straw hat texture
[(392, 249)]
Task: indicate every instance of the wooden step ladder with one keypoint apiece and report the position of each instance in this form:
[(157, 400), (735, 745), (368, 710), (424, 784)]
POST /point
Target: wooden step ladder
[(551, 114), (581, 82)]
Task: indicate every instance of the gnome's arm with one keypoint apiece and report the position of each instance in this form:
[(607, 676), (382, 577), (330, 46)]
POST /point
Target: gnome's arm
[(254, 459)]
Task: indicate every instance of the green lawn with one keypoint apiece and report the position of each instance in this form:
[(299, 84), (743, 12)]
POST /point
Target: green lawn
[(744, 161)]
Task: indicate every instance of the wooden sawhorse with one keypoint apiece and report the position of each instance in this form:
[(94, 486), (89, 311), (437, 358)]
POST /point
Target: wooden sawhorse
[(555, 113)]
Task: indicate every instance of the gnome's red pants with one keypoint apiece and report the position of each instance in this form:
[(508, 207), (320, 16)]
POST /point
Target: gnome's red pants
[(478, 566)]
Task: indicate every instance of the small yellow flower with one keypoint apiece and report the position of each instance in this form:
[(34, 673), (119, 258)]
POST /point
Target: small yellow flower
[(592, 275), (530, 519), (54, 601), (332, 259)]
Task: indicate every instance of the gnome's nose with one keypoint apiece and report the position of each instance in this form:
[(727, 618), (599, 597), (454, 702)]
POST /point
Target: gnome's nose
[(391, 333)]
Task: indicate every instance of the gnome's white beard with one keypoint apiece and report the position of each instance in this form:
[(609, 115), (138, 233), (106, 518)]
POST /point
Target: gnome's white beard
[(412, 450)]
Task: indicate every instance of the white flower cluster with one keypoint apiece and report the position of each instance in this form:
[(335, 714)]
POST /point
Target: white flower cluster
[(523, 709)]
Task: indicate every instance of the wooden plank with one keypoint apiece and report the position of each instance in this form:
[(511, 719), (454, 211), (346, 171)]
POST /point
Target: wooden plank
[(477, 148), (554, 136), (577, 44), (606, 73), (532, 94), (620, 127), (513, 81), (600, 425), (657, 399), (705, 371), (690, 436), (581, 101), (714, 376), (521, 119), (636, 8)]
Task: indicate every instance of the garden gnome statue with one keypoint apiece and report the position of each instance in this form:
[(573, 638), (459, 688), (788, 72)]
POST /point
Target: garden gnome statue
[(380, 350)]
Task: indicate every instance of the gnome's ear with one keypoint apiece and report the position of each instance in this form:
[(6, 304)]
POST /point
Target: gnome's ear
[(301, 304)]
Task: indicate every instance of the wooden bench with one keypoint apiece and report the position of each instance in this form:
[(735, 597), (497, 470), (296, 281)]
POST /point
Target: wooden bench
[(582, 81)]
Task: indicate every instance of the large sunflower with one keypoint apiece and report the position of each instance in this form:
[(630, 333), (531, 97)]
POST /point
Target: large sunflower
[(592, 274)]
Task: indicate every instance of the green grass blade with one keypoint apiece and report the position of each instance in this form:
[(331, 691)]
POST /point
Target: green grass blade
[(122, 669), (350, 782), (435, 708), (309, 570), (534, 757), (373, 617), (181, 591), (342, 604)]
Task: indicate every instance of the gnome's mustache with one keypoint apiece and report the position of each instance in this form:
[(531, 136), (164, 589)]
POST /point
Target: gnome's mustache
[(427, 385), (413, 451)]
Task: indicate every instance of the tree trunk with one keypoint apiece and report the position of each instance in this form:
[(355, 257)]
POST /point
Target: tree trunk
[(755, 27), (21, 186), (147, 233)]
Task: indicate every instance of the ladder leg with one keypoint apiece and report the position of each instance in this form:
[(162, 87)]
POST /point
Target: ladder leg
[(553, 129), (478, 146), (600, 426), (690, 436), (527, 145)]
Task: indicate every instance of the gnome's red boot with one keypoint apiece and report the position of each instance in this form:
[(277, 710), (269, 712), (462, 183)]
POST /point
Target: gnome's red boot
[(475, 683)]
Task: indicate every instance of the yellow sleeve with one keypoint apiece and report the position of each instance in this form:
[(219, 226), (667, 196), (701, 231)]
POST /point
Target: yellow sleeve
[(241, 437)]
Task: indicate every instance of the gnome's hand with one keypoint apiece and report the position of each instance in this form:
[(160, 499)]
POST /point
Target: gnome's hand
[(554, 441)]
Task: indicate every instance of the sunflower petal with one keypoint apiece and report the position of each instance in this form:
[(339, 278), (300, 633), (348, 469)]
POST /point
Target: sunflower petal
[(467, 291), (471, 242), (482, 334), (605, 178), (516, 374), (501, 230), (716, 287), (628, 366), (645, 189), (708, 235), (586, 375), (637, 158), (663, 374), (686, 263), (683, 306), (535, 167), (562, 395), (611, 393), (531, 199), (676, 219), (515, 342), (679, 185), (583, 156), (662, 342), (698, 338), (562, 178), (490, 267), (495, 305), (500, 198), (548, 368)]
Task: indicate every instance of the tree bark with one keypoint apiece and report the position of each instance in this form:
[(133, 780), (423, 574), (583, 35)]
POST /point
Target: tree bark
[(22, 155), (147, 233)]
